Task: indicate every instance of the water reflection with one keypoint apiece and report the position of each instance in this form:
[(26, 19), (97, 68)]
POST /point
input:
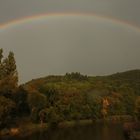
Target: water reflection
[(98, 131)]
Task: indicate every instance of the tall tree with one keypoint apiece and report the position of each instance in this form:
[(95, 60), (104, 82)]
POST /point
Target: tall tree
[(1, 55), (1, 65), (10, 65), (9, 75)]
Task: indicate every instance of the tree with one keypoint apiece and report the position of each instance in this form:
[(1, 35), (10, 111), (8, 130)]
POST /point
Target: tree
[(10, 69), (116, 105), (51, 93), (50, 115), (1, 66), (20, 98), (76, 76), (1, 55), (104, 110), (8, 75), (137, 108), (37, 102), (96, 106), (7, 108)]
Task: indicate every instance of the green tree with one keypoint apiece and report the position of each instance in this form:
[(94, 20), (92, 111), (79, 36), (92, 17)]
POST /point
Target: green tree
[(7, 109), (1, 64), (116, 107), (52, 116), (20, 98), (9, 75), (10, 65), (51, 93), (37, 102)]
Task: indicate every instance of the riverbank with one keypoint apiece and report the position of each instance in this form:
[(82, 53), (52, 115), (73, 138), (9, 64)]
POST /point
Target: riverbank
[(22, 131), (27, 128)]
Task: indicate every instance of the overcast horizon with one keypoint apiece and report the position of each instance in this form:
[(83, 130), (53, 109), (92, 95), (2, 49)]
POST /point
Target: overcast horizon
[(58, 44)]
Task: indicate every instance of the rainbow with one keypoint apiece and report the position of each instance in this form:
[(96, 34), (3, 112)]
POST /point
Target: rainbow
[(42, 16)]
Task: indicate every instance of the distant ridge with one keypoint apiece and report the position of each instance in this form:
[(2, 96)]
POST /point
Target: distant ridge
[(74, 92), (130, 74)]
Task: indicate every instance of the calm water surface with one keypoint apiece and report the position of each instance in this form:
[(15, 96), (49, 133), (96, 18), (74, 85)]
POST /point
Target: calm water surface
[(91, 132)]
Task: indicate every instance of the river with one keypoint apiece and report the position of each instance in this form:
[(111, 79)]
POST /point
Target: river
[(96, 131)]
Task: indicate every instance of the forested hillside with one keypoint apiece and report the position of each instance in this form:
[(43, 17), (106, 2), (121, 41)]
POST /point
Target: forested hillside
[(75, 96), (68, 97)]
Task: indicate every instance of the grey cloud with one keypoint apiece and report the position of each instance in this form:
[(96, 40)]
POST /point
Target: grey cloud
[(85, 44), (122, 9)]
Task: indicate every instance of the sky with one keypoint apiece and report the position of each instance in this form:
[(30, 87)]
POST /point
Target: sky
[(94, 37)]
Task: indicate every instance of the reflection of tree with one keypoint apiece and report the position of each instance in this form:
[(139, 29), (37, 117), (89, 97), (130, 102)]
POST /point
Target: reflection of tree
[(105, 131)]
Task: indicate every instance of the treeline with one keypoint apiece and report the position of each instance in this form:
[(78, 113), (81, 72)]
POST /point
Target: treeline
[(74, 96), (13, 98)]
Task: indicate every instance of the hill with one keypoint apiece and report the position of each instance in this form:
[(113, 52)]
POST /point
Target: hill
[(76, 96), (71, 97), (117, 81)]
